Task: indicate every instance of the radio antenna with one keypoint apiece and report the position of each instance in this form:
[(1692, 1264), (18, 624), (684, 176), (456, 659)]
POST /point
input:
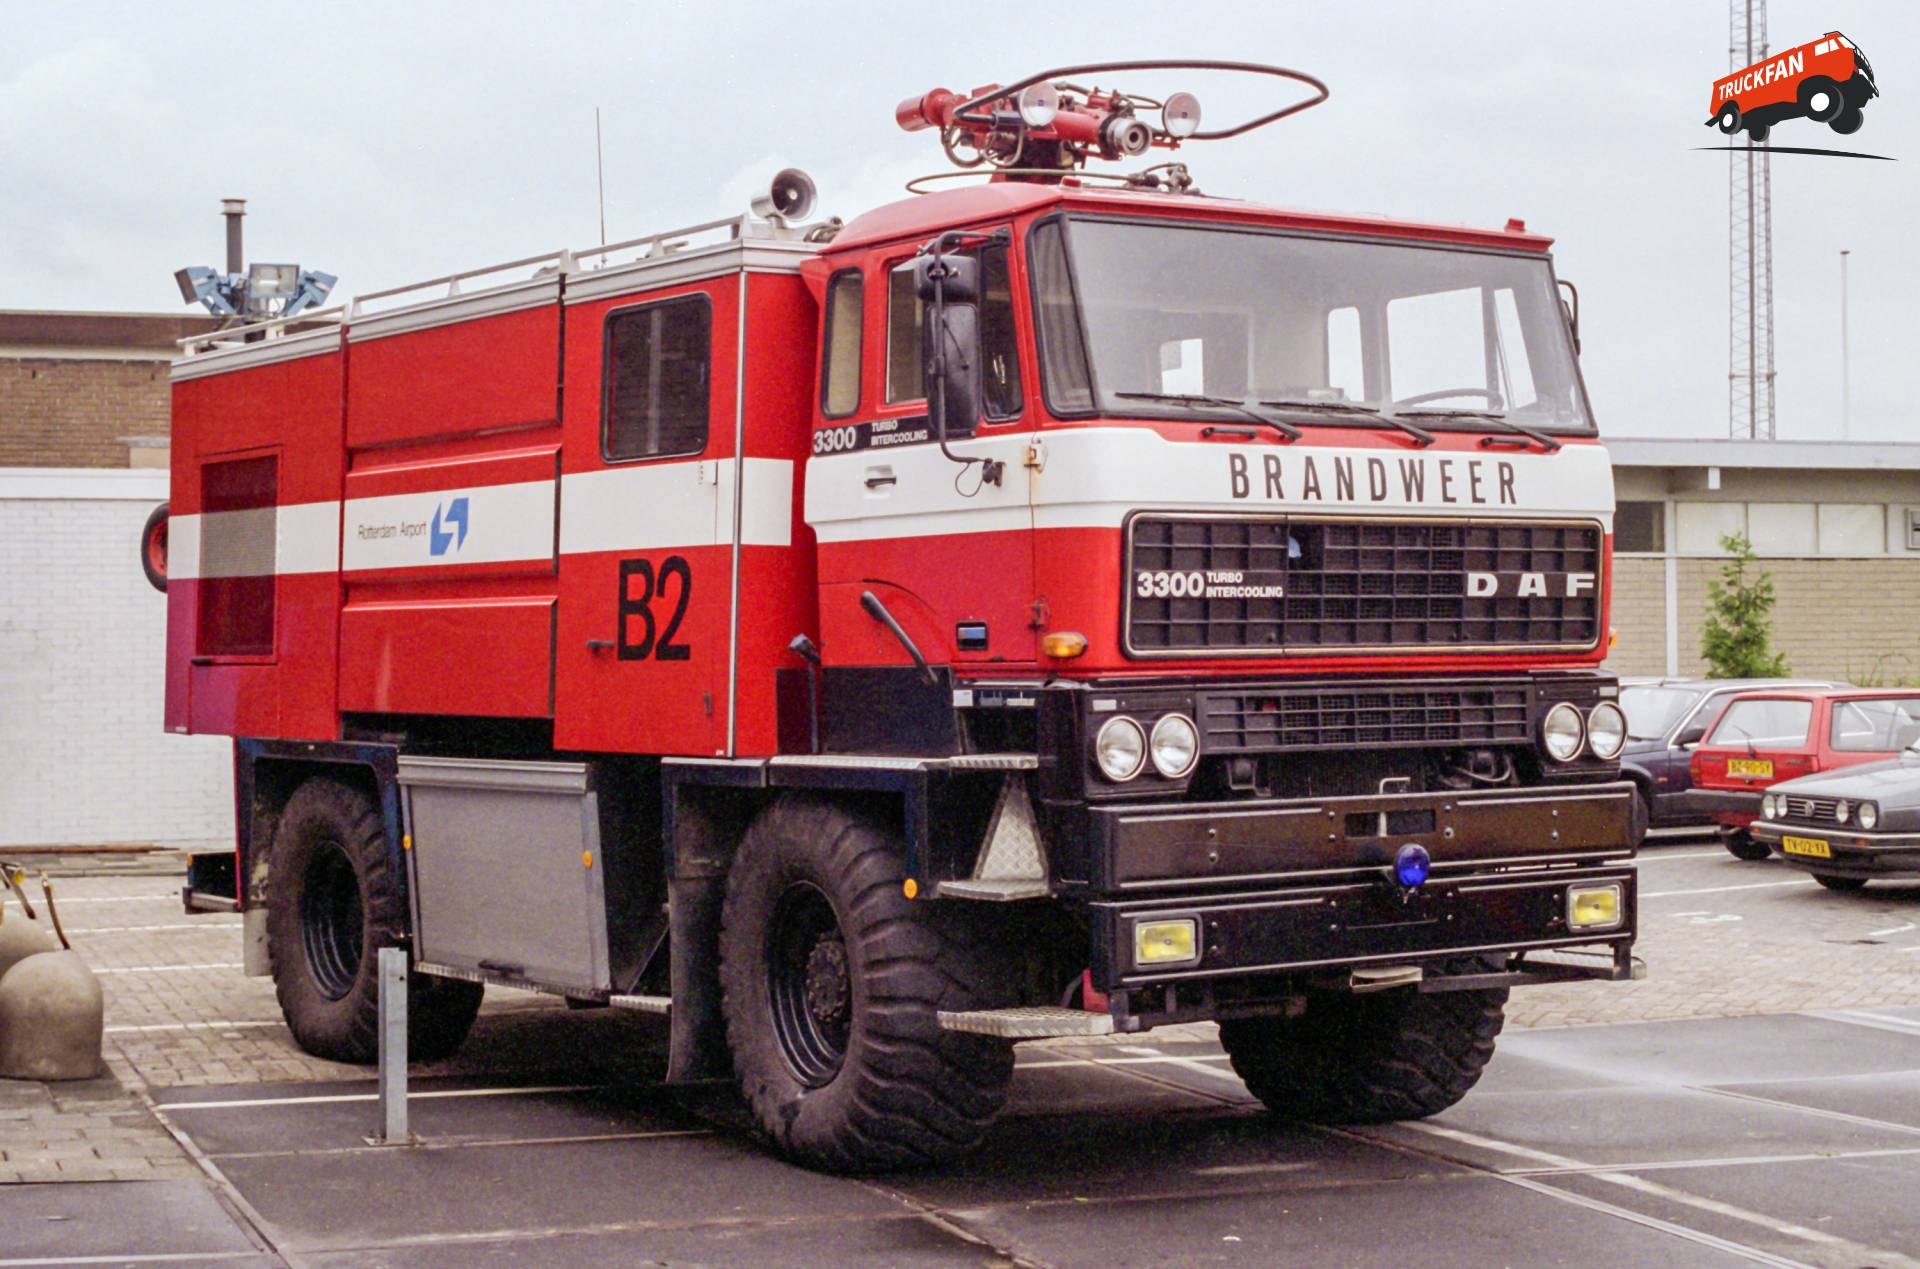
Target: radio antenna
[(600, 174)]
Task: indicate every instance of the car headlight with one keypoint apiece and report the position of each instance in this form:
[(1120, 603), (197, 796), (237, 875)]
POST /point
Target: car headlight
[(1175, 746), (1770, 806), (1869, 815), (1562, 732), (1606, 731), (1841, 810), (1120, 749)]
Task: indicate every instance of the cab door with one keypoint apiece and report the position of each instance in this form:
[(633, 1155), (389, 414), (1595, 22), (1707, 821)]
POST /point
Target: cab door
[(645, 565)]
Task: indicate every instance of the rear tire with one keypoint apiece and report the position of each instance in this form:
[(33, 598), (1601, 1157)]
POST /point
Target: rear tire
[(1369, 1059), (1741, 845), (831, 979), (1821, 98), (153, 548), (1845, 885), (1757, 132), (333, 902), (1848, 121)]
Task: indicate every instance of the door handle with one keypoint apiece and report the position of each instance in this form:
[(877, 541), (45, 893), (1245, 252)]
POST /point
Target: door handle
[(880, 477)]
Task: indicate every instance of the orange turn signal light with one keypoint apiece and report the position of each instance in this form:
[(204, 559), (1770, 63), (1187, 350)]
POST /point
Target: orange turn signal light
[(1063, 643)]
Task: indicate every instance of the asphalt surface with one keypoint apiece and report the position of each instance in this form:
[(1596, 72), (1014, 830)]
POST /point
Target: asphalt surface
[(1770, 1138)]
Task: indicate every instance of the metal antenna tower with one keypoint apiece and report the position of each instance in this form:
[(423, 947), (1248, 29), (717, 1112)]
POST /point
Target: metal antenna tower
[(1749, 250)]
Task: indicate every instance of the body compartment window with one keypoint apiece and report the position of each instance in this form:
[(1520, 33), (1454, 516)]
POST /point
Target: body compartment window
[(840, 359), (657, 379)]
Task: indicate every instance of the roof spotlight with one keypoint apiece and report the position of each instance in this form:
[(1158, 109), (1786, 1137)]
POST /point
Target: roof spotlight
[(1181, 115), (1039, 103), (201, 285)]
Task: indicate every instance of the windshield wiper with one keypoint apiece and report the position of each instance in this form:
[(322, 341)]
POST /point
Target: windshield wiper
[(1196, 401), (1421, 436), (1541, 439)]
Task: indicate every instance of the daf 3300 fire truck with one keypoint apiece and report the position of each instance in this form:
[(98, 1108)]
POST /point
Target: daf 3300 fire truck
[(1048, 607)]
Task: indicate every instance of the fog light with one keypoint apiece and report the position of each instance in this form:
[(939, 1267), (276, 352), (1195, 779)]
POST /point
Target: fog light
[(1594, 907), (1166, 942), (1120, 749), (1063, 643)]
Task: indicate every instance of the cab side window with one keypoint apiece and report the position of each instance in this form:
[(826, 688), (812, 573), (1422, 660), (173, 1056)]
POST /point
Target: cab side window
[(656, 379), (840, 358), (1001, 396)]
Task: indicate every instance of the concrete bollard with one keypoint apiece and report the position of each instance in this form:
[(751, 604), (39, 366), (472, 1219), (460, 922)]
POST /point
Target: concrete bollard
[(51, 1019), (21, 938)]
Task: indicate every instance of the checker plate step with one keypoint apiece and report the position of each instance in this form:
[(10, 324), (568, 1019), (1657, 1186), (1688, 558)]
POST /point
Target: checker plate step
[(1031, 1022)]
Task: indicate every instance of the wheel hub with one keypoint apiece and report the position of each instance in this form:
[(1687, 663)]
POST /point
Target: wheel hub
[(809, 984), (829, 991)]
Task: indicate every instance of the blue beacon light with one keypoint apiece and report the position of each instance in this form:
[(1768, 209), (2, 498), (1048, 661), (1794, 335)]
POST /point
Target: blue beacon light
[(1411, 865)]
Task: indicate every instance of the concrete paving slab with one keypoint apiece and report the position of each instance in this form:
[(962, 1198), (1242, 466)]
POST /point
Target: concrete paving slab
[(372, 1197), (116, 1218), (1894, 1099), (1717, 1050), (1437, 1222)]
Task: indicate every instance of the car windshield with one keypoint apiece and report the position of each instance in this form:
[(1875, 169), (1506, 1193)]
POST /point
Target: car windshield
[(1763, 721), (1880, 726), (1652, 710), (1305, 326)]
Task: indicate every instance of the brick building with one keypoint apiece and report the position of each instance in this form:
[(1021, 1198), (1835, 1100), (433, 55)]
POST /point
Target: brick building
[(83, 434), (87, 389), (1837, 524)]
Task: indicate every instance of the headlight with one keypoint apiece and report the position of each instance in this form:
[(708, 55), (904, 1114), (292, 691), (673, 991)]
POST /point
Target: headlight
[(1120, 749), (1594, 907), (1561, 732), (1175, 746), (1869, 815), (1770, 807), (1840, 810), (1606, 731)]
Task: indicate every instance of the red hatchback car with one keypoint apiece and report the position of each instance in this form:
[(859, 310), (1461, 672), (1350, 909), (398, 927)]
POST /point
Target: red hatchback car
[(1763, 738)]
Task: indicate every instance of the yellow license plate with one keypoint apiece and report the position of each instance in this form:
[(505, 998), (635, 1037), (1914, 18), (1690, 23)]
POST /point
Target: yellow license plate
[(1806, 846), (1750, 766)]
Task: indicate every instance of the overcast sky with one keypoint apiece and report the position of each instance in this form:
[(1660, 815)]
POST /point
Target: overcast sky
[(389, 142)]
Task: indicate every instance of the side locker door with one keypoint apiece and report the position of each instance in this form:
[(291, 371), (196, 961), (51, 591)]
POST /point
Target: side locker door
[(645, 552)]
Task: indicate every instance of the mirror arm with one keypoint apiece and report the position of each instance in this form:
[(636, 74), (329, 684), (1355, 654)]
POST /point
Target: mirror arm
[(991, 468)]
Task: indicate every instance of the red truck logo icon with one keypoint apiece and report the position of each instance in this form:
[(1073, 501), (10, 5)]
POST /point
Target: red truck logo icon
[(1828, 81)]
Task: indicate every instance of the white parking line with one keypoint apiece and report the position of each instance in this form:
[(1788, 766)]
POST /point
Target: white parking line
[(146, 929), (189, 1026), (1864, 1018), (1752, 885), (1663, 856), (172, 896), (1898, 929), (324, 1099)]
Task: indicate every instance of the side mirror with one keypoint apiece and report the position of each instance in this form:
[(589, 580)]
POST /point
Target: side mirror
[(950, 362), (1691, 736)]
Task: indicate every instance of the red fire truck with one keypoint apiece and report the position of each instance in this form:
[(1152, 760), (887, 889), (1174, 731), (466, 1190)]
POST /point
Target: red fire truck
[(1828, 81), (1057, 606)]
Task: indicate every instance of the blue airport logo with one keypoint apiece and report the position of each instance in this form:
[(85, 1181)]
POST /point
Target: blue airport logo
[(445, 517)]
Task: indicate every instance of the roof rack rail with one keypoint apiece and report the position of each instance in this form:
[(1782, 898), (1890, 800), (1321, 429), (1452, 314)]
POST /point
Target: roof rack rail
[(268, 328)]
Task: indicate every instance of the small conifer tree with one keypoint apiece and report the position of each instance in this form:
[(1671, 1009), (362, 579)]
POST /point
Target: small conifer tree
[(1737, 637)]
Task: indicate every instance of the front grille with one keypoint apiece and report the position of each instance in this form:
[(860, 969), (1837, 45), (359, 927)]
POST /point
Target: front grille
[(1290, 585), (1817, 809), (1268, 720)]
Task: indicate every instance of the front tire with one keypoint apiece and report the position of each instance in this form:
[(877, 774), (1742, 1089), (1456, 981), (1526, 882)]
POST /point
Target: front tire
[(1848, 121), (1742, 845), (333, 902), (1845, 885), (831, 981), (1369, 1059), (1728, 120), (1821, 98), (1757, 132)]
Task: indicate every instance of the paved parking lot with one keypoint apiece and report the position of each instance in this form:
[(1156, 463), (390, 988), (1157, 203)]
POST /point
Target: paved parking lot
[(1752, 1101)]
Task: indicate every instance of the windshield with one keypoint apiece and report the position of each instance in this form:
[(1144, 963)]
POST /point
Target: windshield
[(1764, 720), (1651, 710), (1130, 309)]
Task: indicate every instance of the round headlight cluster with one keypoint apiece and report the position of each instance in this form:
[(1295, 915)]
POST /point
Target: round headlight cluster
[(1606, 731), (1122, 748), (1770, 806), (1841, 810), (1869, 815), (1562, 732)]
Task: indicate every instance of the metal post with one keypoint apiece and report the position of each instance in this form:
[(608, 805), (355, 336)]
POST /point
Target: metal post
[(393, 1047), (1846, 395), (235, 210)]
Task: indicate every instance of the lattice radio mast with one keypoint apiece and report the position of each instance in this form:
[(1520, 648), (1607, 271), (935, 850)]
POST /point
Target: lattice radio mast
[(1749, 250)]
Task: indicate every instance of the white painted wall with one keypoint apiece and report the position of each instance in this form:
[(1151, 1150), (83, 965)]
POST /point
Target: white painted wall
[(83, 757)]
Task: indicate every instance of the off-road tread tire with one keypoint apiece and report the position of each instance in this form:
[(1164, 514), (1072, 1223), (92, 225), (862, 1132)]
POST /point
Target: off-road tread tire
[(1840, 884), (155, 578), (908, 1092), (440, 1011), (1744, 845), (1369, 1059)]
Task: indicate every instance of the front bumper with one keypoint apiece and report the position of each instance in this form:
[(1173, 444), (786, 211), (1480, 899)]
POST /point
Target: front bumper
[(1853, 853), (1307, 885)]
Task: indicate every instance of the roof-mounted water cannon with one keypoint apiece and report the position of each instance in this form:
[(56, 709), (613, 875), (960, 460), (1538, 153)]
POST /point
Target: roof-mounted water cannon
[(1046, 125)]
